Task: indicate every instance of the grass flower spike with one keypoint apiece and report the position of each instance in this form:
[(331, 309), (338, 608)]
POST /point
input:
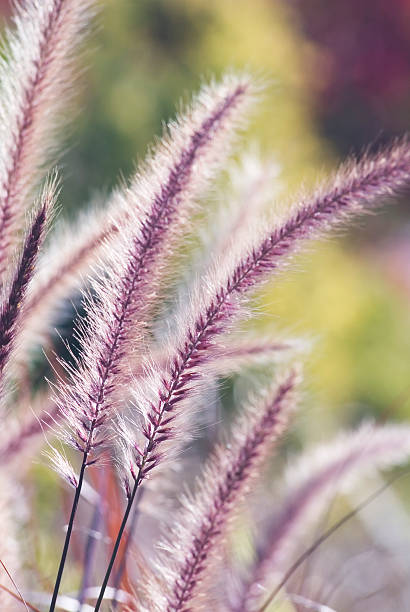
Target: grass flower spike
[(36, 80), (159, 201), (151, 346), (319, 474), (15, 292), (156, 217), (218, 300), (194, 546)]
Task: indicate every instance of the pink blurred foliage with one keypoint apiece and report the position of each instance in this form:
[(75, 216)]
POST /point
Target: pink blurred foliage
[(363, 59), (5, 7)]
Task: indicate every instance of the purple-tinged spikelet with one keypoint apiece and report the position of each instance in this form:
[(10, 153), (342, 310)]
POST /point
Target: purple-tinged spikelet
[(239, 352), (36, 83), (15, 292), (355, 189), (161, 394), (159, 203), (61, 270), (250, 350), (192, 550), (311, 483)]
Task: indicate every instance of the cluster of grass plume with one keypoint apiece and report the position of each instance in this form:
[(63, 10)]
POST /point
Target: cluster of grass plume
[(127, 398)]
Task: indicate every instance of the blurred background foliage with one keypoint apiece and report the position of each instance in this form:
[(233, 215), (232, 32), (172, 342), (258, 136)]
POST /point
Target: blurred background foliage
[(338, 79)]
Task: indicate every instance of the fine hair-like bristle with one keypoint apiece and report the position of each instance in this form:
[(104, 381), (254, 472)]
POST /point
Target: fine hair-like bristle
[(158, 211), (12, 307), (36, 80), (217, 301), (192, 549), (319, 474)]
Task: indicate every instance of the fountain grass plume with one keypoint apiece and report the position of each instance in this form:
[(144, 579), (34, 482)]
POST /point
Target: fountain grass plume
[(238, 352), (192, 550), (253, 183), (311, 482), (37, 79), (158, 212), (128, 250), (217, 301), (160, 202), (62, 269), (161, 397), (14, 293), (250, 350)]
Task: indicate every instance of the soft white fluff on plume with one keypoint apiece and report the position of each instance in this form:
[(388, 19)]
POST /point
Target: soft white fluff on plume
[(160, 396), (20, 274), (252, 186), (159, 204), (239, 351), (251, 349), (310, 484), (62, 269), (36, 82), (193, 548)]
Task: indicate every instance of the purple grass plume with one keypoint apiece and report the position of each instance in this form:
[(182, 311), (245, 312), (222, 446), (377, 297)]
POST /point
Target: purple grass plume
[(157, 215), (129, 394), (12, 307), (160, 203), (193, 548), (161, 395), (74, 249), (321, 473), (36, 78)]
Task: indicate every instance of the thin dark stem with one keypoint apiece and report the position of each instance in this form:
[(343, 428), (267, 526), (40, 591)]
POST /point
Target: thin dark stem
[(117, 543), (68, 535), (118, 576)]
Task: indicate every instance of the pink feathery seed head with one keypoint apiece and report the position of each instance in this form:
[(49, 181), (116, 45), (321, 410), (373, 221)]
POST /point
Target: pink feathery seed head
[(192, 550), (310, 484), (36, 79), (253, 184), (236, 353), (159, 202), (357, 188), (12, 307), (219, 300), (249, 350), (162, 195), (61, 270)]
